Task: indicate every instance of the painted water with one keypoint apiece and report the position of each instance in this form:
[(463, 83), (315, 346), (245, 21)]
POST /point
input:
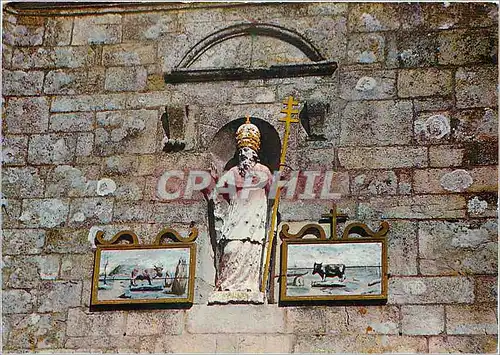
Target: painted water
[(359, 280)]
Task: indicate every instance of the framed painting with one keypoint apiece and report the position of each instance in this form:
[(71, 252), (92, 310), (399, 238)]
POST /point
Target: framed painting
[(334, 270), (144, 275)]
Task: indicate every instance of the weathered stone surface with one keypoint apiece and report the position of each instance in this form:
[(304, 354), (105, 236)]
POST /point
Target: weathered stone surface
[(40, 331), (424, 82), (424, 290), (81, 323), (126, 132), (306, 320), (433, 103), (476, 87), (481, 153), (22, 241), (179, 212), (443, 156), (475, 125), (57, 57), (149, 99), (103, 29), (67, 181), (264, 344), (20, 35), (373, 17), (84, 145), (130, 189), (16, 301), (71, 122), (382, 158), (51, 149), (451, 248), (151, 323), (88, 103), (473, 319), (479, 179), (461, 344), (368, 85), (133, 212), (418, 207), (125, 79), (422, 320), (128, 54), (14, 150), (402, 248), (58, 31), (58, 296), (63, 82), (432, 127), (365, 48), (486, 289), (22, 183), (327, 9), (63, 240), (361, 343), (87, 211), (410, 49), (152, 26), (22, 83), (466, 47), (375, 183), (46, 213), (368, 123), (11, 212), (186, 343), (444, 16), (121, 165), (29, 272), (373, 320), (77, 267), (202, 319), (27, 115)]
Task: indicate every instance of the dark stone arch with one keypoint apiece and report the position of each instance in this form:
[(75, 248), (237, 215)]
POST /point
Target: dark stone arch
[(223, 144)]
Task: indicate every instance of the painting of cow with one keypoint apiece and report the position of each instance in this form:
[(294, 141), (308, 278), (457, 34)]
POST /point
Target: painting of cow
[(329, 270), (146, 274)]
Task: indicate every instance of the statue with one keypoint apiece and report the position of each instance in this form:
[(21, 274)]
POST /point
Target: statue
[(240, 209)]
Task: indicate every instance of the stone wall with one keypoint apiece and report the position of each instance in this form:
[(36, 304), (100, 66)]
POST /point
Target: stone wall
[(411, 135)]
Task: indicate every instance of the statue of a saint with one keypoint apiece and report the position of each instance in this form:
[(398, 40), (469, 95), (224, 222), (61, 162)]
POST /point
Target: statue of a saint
[(241, 212)]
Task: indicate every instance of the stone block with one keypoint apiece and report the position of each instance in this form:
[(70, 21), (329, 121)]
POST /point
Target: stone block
[(58, 31), (462, 47), (443, 16), (203, 319), (17, 301), (23, 241), (121, 165), (28, 272), (382, 117), (375, 183), (71, 122), (133, 212), (186, 343), (307, 210), (373, 17), (479, 179), (20, 35), (63, 82), (27, 115), (306, 320), (265, 344), (11, 212), (410, 49), (87, 211), (67, 181), (382, 157), (478, 125), (368, 85), (422, 320), (149, 26), (486, 289), (58, 296), (179, 212), (476, 87), (402, 248), (156, 99), (82, 323), (22, 182), (97, 29), (485, 153), (125, 79), (373, 320), (46, 213), (415, 207), (128, 54), (84, 145), (154, 323), (130, 189), (70, 241), (77, 267), (359, 343), (45, 332), (88, 103), (433, 127), (424, 82), (51, 149), (460, 344), (258, 94), (471, 319), (327, 9), (14, 150), (443, 156), (22, 83), (130, 132), (425, 290), (433, 104), (365, 48), (56, 57)]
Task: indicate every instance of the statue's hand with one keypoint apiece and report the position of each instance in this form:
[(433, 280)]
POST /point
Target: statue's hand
[(213, 172)]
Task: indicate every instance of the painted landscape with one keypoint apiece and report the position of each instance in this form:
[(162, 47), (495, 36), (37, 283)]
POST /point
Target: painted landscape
[(143, 274), (339, 269)]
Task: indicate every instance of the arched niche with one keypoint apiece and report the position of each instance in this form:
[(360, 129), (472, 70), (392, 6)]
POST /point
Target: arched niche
[(223, 144), (311, 62)]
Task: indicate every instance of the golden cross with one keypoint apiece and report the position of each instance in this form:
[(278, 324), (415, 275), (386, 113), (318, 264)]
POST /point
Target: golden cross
[(332, 219)]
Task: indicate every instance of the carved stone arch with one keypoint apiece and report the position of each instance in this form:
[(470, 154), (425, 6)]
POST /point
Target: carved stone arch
[(223, 144), (249, 29)]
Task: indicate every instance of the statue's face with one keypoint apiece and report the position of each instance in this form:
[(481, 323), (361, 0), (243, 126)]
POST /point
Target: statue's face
[(247, 153)]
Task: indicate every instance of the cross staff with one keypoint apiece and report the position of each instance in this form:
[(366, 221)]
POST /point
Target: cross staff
[(290, 109), (332, 219)]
